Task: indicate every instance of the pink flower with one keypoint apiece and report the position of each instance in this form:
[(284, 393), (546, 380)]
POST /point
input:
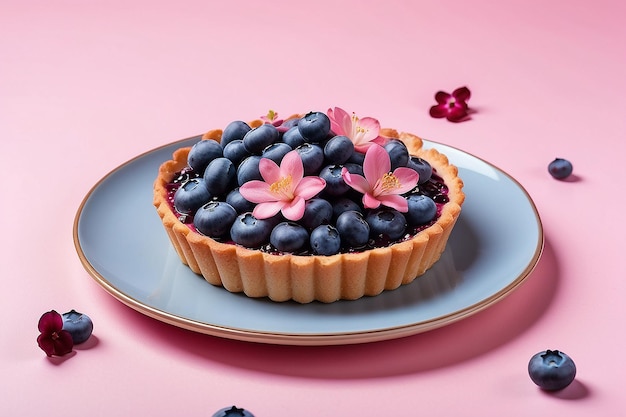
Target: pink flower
[(285, 188), (53, 339), (272, 118), (451, 106), (362, 132), (380, 186)]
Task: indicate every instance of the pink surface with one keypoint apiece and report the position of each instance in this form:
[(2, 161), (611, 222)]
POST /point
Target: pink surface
[(85, 87)]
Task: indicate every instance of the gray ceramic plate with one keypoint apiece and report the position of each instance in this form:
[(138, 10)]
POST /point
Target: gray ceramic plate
[(121, 242)]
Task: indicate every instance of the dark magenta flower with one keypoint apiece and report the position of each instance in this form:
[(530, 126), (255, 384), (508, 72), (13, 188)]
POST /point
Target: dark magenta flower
[(53, 339), (451, 106)]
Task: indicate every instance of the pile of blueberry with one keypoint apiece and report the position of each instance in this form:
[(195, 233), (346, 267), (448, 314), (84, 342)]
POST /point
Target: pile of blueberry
[(206, 194)]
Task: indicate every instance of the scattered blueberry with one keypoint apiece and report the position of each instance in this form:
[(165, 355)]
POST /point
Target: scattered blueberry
[(314, 126), (79, 325), (560, 168), (234, 131), (203, 152), (232, 412), (214, 219), (325, 240), (191, 196), (551, 370), (289, 237)]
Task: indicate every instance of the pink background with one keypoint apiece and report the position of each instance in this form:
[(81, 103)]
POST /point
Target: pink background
[(85, 86)]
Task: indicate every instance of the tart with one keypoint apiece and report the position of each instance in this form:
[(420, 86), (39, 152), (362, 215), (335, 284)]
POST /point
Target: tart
[(329, 261)]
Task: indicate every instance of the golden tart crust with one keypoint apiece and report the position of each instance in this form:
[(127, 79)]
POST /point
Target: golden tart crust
[(345, 276)]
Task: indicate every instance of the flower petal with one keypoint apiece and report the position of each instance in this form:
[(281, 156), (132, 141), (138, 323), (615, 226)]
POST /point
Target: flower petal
[(457, 113), (266, 210), (257, 191), (376, 164), (439, 111), (356, 181), (309, 187), (50, 322), (291, 165), (368, 129), (408, 179), (269, 170), (462, 94), (56, 343), (442, 97), (294, 210), (370, 202), (394, 201)]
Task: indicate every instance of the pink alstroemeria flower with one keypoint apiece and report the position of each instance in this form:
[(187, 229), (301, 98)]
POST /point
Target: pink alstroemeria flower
[(380, 186), (53, 339), (285, 188), (362, 132), (451, 106)]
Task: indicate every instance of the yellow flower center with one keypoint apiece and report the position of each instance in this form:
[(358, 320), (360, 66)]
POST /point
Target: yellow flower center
[(282, 188), (389, 182), (271, 115)]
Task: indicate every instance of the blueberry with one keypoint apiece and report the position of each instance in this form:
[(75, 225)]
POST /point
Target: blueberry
[(191, 196), (240, 204), (338, 150), (248, 170), (353, 229), (335, 185), (312, 158), (214, 219), (202, 153), (235, 151), (314, 126), (293, 138), (289, 237), (317, 211), (325, 240), (421, 209), (249, 231), (220, 176), (260, 138), (343, 204), (234, 131), (354, 168), (560, 168), (357, 158), (232, 412), (422, 167), (79, 325), (276, 151), (551, 370), (398, 153), (386, 223)]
